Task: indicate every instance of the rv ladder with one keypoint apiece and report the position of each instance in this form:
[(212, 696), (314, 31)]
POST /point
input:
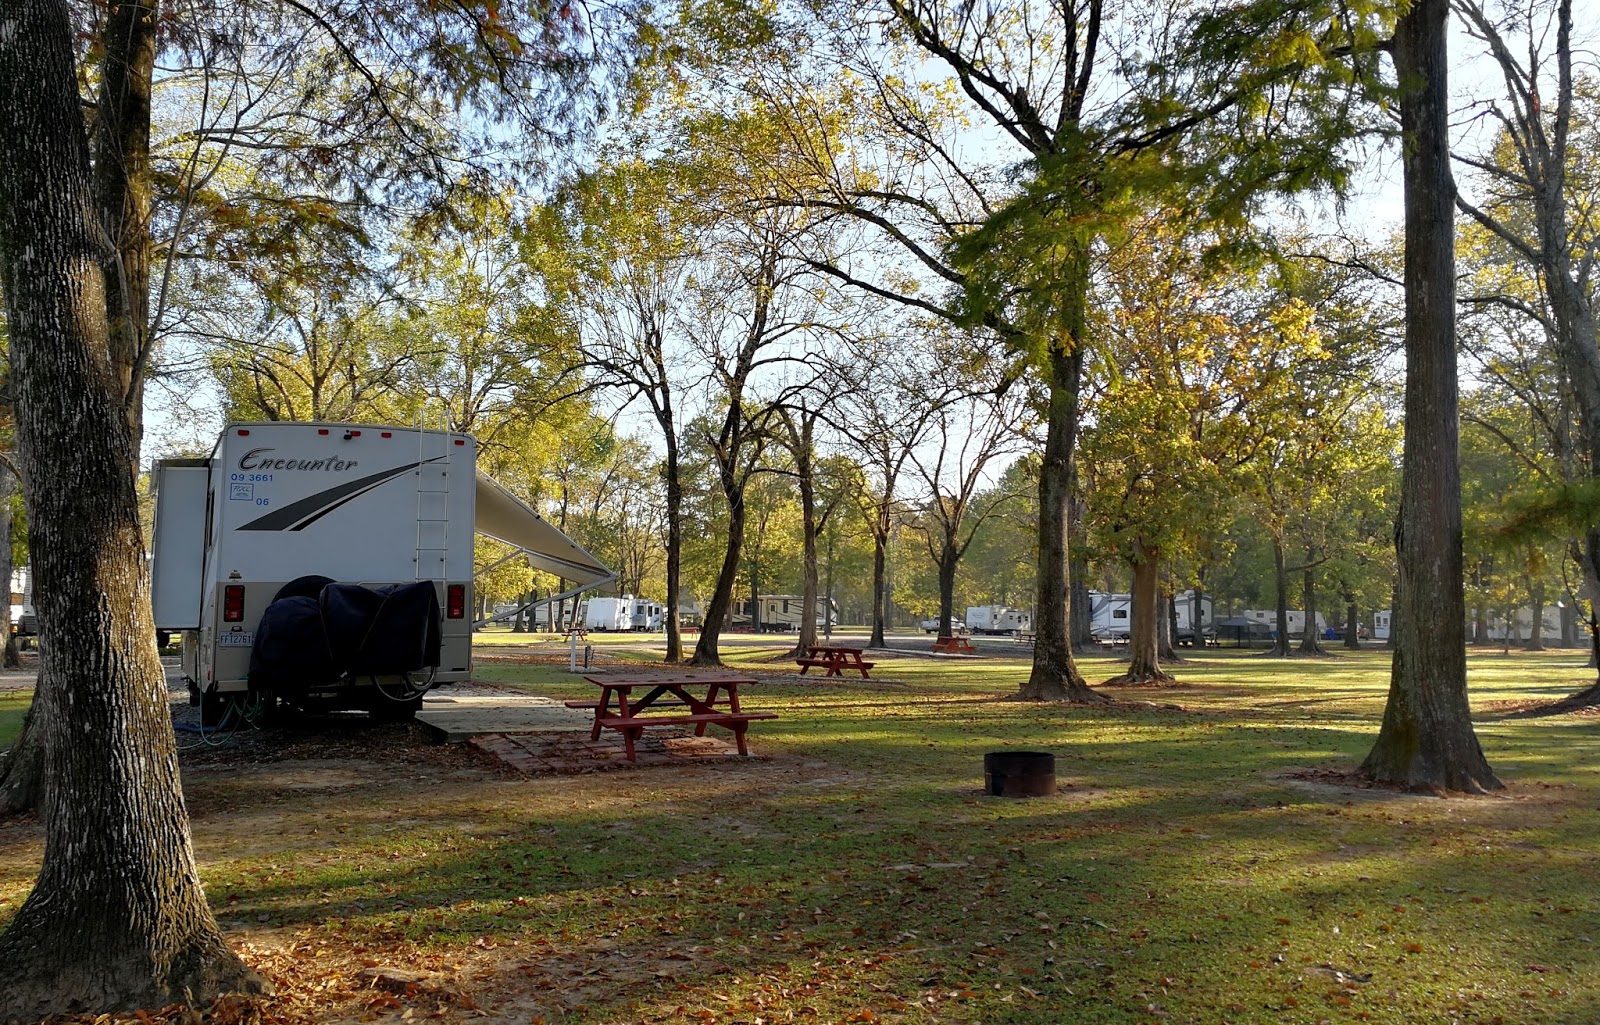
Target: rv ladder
[(433, 503)]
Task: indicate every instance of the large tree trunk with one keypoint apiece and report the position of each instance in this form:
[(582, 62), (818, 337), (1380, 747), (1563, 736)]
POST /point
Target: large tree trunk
[(808, 561), (949, 560), (880, 572), (123, 187), (1144, 667), (1536, 603), (1310, 638), (674, 550), (1280, 582), (1081, 615), (117, 918), (1427, 740), (707, 646), (1055, 675)]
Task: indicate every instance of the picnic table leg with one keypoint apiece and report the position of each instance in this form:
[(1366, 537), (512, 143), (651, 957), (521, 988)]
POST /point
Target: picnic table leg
[(738, 737), (629, 734)]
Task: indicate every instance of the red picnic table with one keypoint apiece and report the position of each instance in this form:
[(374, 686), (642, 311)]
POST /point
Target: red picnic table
[(953, 644), (835, 659), (618, 710)]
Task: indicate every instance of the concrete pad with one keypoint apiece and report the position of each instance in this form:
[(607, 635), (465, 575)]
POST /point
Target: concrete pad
[(566, 754), (456, 719)]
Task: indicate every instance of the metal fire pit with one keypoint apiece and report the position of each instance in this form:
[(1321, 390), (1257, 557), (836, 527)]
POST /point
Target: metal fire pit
[(1019, 773)]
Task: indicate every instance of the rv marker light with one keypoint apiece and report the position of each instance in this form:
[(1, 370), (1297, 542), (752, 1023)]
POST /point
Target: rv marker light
[(456, 601), (233, 603)]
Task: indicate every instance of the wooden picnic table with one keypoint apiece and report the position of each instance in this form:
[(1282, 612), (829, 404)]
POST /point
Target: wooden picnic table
[(835, 658), (953, 644), (618, 710)]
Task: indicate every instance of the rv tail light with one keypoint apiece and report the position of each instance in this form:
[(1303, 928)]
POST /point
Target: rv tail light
[(455, 602), (233, 603)]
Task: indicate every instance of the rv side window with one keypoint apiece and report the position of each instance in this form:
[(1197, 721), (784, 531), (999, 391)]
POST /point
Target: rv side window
[(1119, 613)]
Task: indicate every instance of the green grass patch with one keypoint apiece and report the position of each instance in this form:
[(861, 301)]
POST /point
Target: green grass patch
[(1183, 874), (13, 706)]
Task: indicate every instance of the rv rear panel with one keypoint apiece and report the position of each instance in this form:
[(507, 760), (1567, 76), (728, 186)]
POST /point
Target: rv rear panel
[(354, 503)]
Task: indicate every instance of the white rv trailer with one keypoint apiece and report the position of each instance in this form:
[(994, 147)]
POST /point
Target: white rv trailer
[(1297, 621), (997, 619), (609, 614), (1111, 616), (779, 613), (647, 615), (358, 503)]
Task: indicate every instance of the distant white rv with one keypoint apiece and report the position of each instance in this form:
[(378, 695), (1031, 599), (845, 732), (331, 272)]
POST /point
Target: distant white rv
[(997, 619), (647, 615), (1297, 621), (1111, 616), (780, 612), (624, 613), (609, 614)]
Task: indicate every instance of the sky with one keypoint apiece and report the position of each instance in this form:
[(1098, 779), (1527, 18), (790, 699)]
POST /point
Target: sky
[(1373, 213)]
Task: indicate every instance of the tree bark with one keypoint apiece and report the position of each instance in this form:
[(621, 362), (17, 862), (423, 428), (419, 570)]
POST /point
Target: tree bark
[(1427, 740), (707, 646), (883, 522), (1536, 603), (1081, 619), (1144, 667), (808, 560), (123, 185), (1055, 675), (1352, 622), (1310, 640), (674, 484), (1280, 581), (117, 918)]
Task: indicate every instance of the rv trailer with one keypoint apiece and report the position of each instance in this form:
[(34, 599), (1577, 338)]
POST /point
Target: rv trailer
[(1111, 617), (330, 566), (997, 619), (1297, 621), (609, 614)]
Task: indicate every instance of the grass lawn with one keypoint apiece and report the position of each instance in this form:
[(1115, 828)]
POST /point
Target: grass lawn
[(1181, 875), (13, 705)]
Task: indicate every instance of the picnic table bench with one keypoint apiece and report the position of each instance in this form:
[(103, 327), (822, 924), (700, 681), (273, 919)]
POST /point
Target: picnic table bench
[(617, 710), (835, 659), (953, 644)]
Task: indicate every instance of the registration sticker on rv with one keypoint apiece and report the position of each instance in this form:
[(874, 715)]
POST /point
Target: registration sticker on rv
[(236, 640)]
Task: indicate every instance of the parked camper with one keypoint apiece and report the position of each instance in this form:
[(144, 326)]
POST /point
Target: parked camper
[(1297, 621), (24, 624), (1110, 616), (609, 614), (330, 565), (779, 612), (647, 615), (997, 619)]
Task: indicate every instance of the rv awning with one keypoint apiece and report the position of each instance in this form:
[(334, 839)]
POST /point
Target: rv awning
[(504, 517)]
